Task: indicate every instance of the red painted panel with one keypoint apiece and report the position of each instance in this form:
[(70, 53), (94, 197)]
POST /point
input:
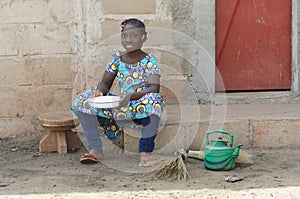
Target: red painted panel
[(253, 44)]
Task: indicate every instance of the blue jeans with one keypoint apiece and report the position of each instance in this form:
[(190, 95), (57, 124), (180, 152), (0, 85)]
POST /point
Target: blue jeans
[(90, 125), (150, 127), (91, 131)]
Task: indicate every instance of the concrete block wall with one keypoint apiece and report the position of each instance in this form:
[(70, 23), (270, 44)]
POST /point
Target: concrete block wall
[(51, 50), (36, 58)]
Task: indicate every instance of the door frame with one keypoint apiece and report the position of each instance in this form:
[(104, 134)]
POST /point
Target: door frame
[(294, 51)]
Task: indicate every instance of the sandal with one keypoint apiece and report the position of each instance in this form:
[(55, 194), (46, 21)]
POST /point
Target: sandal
[(89, 158)]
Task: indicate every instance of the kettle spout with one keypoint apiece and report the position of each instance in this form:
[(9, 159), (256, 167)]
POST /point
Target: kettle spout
[(236, 151)]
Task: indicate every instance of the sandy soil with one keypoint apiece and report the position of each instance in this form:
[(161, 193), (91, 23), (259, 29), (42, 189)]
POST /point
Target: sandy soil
[(27, 173)]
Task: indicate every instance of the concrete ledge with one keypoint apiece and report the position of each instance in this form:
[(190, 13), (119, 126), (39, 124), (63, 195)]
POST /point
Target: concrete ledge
[(276, 133), (255, 125)]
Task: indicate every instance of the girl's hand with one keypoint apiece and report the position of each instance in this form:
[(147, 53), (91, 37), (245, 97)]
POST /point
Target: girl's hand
[(124, 99), (98, 93)]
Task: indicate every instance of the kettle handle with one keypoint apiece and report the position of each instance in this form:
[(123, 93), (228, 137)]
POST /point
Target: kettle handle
[(223, 132)]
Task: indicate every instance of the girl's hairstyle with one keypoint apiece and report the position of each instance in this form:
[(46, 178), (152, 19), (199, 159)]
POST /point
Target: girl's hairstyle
[(136, 23)]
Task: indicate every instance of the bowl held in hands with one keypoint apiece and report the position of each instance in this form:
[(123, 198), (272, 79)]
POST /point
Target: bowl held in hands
[(104, 101)]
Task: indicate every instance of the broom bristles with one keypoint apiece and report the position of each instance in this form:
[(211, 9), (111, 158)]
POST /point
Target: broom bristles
[(244, 158), (172, 170)]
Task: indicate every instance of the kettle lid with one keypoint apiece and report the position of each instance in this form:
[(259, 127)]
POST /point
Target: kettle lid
[(220, 140)]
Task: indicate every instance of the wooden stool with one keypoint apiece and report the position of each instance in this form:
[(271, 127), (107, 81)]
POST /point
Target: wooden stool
[(60, 137)]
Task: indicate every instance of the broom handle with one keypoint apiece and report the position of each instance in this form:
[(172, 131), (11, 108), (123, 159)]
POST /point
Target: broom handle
[(223, 132), (243, 157)]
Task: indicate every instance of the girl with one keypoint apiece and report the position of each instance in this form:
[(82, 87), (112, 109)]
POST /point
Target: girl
[(138, 76)]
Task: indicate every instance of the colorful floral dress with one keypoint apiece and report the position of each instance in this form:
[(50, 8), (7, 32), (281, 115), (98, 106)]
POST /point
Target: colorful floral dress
[(131, 78)]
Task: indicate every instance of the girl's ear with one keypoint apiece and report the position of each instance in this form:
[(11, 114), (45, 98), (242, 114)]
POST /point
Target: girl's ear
[(144, 38)]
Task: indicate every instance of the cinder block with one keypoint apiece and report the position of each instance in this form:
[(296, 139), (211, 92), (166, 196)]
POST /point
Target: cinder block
[(276, 133), (241, 132), (9, 103), (22, 12), (179, 88), (61, 11), (174, 137), (160, 38), (43, 99), (131, 140), (160, 33), (35, 100), (171, 64), (34, 11), (9, 40), (38, 40), (239, 129), (16, 126), (111, 31), (62, 99), (129, 7), (48, 71), (57, 71), (166, 136), (183, 114), (12, 72), (199, 139)]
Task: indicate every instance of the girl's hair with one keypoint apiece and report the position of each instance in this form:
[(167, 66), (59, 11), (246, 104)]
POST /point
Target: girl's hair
[(136, 23)]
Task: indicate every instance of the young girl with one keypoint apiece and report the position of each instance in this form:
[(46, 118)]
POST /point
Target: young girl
[(138, 76)]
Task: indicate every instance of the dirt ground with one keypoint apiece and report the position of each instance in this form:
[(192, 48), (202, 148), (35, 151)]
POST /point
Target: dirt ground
[(27, 173)]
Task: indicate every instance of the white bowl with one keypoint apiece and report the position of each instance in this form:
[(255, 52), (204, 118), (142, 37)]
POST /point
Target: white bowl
[(104, 101)]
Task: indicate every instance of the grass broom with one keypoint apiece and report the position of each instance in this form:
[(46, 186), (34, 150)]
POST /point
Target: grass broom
[(173, 168)]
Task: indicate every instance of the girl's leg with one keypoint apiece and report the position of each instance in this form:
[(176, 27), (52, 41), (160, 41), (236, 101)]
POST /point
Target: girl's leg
[(90, 126), (146, 143)]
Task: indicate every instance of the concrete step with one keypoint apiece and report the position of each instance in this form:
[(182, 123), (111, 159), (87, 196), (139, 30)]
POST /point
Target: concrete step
[(278, 97), (253, 125)]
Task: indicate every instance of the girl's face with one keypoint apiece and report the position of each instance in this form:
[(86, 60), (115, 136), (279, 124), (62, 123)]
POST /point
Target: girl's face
[(132, 38)]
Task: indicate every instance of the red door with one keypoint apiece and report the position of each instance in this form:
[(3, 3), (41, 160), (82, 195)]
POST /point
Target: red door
[(253, 44)]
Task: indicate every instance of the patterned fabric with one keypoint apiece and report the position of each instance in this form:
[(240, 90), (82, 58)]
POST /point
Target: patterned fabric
[(131, 78)]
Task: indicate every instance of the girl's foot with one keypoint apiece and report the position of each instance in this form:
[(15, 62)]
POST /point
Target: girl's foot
[(91, 157), (97, 154), (146, 160)]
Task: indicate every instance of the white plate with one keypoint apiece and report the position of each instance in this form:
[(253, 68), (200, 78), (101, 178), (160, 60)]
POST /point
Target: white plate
[(104, 101)]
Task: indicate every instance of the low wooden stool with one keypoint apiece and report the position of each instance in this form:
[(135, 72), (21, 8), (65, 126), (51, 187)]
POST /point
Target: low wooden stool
[(60, 137)]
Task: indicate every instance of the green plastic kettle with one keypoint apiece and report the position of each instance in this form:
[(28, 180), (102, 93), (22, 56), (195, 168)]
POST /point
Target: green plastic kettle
[(218, 155)]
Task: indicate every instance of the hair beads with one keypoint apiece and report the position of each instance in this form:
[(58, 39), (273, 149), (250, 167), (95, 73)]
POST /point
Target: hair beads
[(123, 24)]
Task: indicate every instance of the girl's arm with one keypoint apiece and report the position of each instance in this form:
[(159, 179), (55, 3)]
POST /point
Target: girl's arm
[(105, 84), (154, 85)]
